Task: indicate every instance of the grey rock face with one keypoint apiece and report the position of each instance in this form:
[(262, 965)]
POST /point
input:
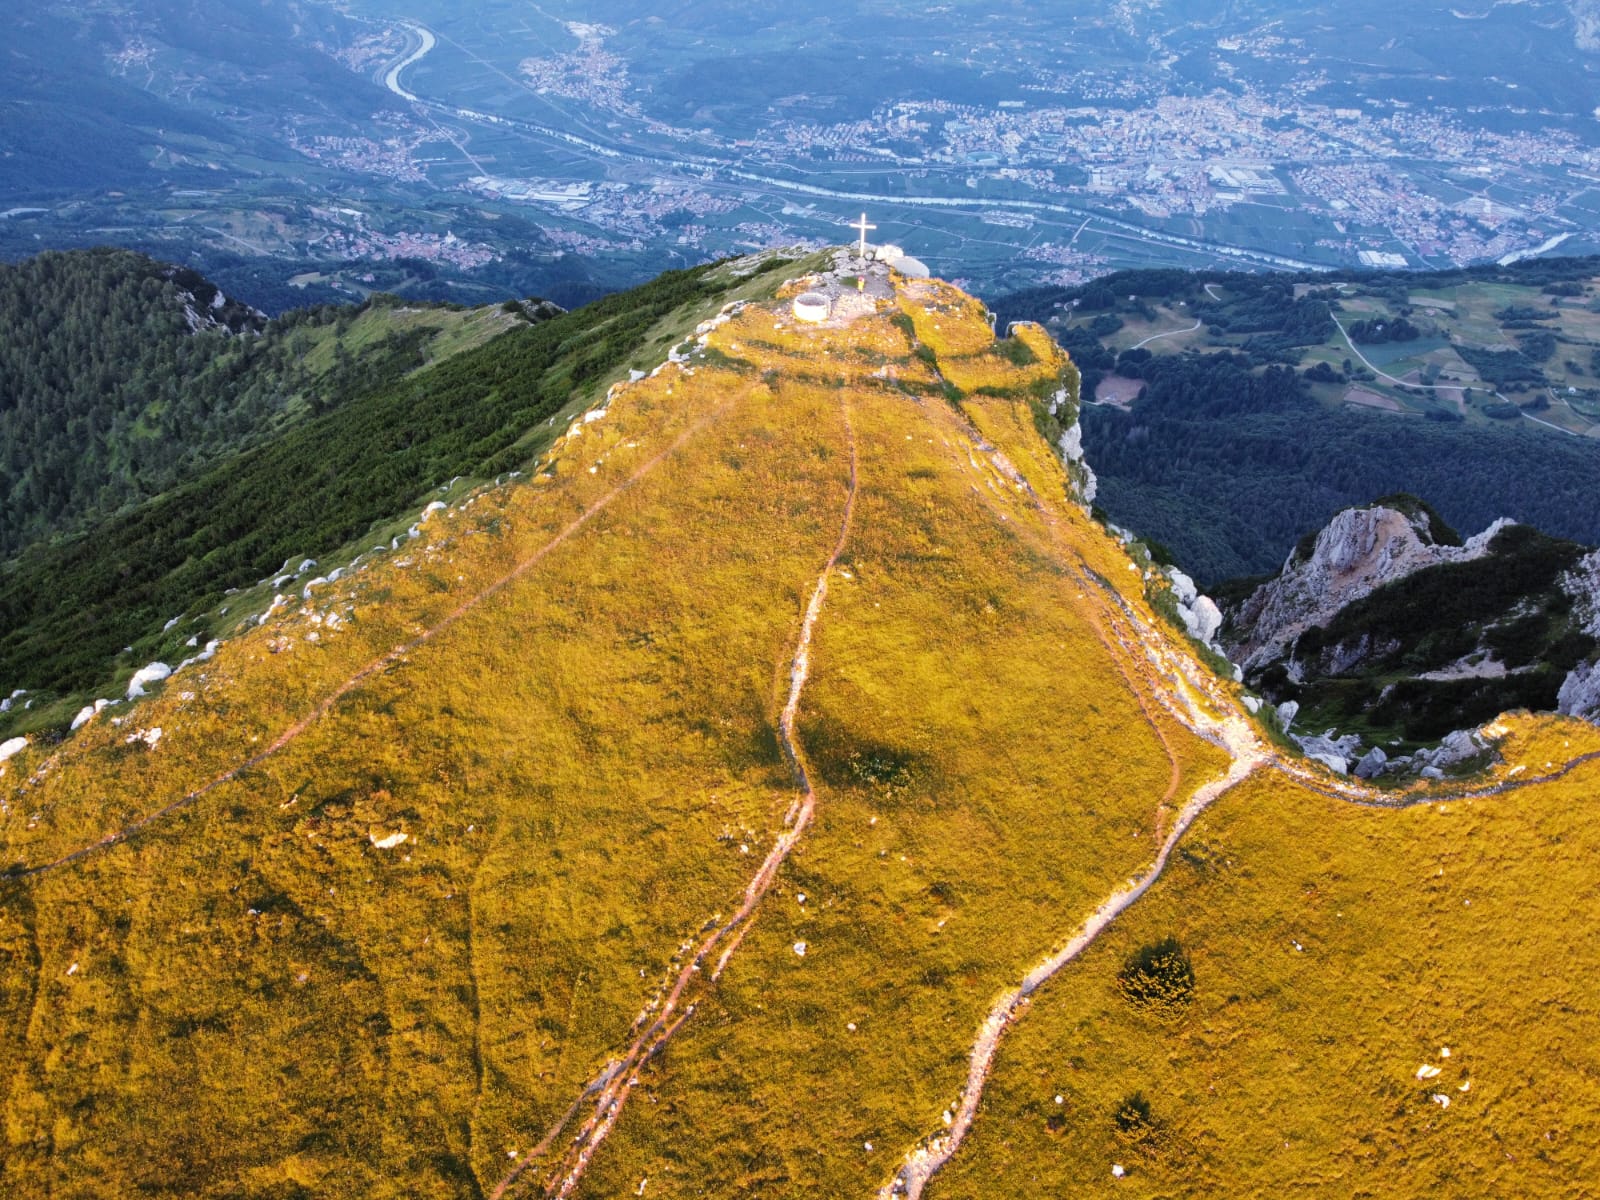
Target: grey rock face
[(1071, 447), (1372, 763), (1361, 550), (1580, 693)]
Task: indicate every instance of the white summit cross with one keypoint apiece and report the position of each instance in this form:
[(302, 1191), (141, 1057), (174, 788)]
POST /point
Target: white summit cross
[(863, 227)]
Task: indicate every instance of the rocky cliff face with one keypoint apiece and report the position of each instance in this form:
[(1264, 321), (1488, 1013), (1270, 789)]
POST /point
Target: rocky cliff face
[(1361, 550), (1387, 623)]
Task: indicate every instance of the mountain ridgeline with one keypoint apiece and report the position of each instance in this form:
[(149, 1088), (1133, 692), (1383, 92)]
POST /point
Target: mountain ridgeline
[(328, 459), (783, 787)]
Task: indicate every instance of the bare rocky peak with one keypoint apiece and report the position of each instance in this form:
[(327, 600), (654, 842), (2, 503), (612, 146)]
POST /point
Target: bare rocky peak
[(1360, 550)]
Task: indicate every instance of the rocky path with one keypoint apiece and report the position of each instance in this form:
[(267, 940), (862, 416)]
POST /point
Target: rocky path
[(920, 1164), (604, 1096), (1181, 688)]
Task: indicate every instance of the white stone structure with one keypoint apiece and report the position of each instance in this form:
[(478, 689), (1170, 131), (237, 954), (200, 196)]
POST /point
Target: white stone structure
[(812, 307)]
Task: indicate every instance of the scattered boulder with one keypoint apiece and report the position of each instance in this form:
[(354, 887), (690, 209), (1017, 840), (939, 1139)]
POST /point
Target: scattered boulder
[(154, 673), (1202, 619), (1332, 752), (12, 747), (1182, 586), (88, 713), (1372, 763)]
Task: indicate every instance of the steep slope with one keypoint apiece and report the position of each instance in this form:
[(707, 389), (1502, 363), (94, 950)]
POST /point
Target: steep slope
[(329, 486), (706, 814), (1387, 626), (121, 376)]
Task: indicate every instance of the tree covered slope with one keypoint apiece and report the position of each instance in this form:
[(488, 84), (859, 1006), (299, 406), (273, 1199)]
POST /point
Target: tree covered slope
[(1228, 415), (68, 609), (121, 376)]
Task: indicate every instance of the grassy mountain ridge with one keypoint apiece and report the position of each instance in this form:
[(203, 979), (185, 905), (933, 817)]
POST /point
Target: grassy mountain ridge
[(680, 818), (68, 609)]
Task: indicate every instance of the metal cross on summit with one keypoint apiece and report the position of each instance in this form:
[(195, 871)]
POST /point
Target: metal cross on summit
[(863, 227)]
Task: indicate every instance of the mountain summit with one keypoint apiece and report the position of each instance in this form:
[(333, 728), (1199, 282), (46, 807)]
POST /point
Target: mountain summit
[(784, 788)]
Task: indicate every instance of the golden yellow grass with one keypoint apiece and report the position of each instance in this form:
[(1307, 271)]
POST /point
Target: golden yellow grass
[(249, 997), (577, 763), (959, 720), (1337, 950)]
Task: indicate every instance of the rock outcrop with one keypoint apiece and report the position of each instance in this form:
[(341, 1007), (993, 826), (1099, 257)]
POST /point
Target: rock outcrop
[(1580, 693), (1360, 550), (1071, 447)]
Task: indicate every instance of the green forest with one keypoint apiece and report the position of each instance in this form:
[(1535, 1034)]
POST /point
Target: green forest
[(68, 608), (120, 376), (1228, 457)]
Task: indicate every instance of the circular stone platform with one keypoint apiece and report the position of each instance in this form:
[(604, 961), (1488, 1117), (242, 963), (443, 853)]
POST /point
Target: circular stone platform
[(814, 307)]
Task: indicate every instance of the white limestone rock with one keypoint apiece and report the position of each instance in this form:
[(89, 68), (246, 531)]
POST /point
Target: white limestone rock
[(1182, 586), (1360, 550), (1202, 619), (1372, 763), (1333, 752), (1071, 447), (1580, 693), (1582, 583), (154, 673)]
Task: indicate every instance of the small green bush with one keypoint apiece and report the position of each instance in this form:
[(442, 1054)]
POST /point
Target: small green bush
[(1158, 976)]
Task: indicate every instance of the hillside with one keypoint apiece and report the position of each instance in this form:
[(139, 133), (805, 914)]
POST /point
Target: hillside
[(84, 613), (1229, 415), (121, 377), (1386, 630), (744, 802)]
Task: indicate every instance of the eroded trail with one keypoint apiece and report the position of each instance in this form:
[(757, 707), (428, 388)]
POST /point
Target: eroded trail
[(1178, 687), (1153, 664), (386, 660), (1247, 754), (607, 1093), (925, 1160)]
